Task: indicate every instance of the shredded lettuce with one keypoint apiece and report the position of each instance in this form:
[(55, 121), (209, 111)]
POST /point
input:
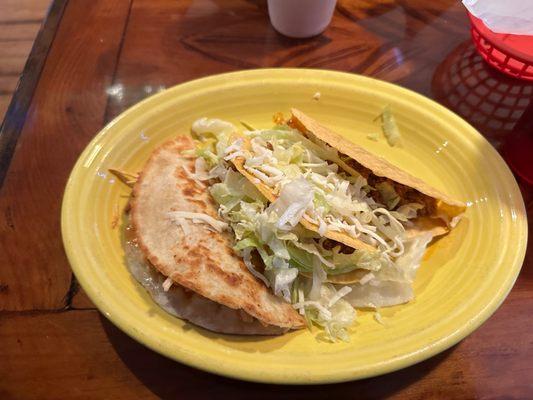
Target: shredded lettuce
[(331, 312), (407, 211), (298, 264), (214, 135), (232, 190), (283, 279), (246, 243), (388, 194), (293, 201), (390, 128), (247, 258), (359, 259), (393, 285)]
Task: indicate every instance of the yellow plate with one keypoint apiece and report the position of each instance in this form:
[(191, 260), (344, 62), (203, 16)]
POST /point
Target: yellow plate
[(463, 279)]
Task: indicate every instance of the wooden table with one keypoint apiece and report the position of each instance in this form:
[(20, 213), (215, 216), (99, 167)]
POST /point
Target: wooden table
[(93, 59)]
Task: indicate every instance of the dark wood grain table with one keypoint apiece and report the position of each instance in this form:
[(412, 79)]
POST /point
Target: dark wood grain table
[(93, 59)]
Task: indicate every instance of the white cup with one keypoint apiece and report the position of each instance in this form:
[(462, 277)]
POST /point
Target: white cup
[(300, 18)]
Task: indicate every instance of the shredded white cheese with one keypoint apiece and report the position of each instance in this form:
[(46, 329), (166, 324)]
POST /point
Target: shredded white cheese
[(246, 256), (184, 227), (367, 278), (455, 221), (301, 298), (323, 310), (322, 227), (339, 295), (200, 170), (235, 146), (193, 176), (378, 317), (235, 154), (198, 218), (167, 284)]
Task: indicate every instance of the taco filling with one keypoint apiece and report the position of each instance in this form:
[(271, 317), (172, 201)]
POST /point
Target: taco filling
[(317, 225)]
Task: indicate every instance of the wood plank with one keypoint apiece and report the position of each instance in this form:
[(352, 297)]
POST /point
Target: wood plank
[(167, 43), (79, 354), (63, 355), (22, 31), (4, 103), (8, 84), (13, 55), (12, 126), (16, 11), (80, 300), (67, 109)]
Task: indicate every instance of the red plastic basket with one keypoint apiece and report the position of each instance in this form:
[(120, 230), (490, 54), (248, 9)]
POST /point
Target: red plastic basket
[(510, 54)]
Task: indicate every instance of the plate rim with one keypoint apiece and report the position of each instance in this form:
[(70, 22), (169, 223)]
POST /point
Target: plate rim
[(240, 372)]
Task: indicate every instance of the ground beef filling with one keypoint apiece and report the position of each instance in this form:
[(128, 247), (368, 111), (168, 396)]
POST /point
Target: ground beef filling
[(407, 194)]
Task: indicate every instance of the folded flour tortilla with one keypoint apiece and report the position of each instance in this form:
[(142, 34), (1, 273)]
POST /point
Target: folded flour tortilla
[(212, 286)]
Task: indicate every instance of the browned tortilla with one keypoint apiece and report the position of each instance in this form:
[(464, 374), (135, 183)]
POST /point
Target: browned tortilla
[(202, 261)]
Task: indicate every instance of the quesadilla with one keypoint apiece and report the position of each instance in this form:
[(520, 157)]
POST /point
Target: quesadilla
[(328, 226), (181, 251)]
